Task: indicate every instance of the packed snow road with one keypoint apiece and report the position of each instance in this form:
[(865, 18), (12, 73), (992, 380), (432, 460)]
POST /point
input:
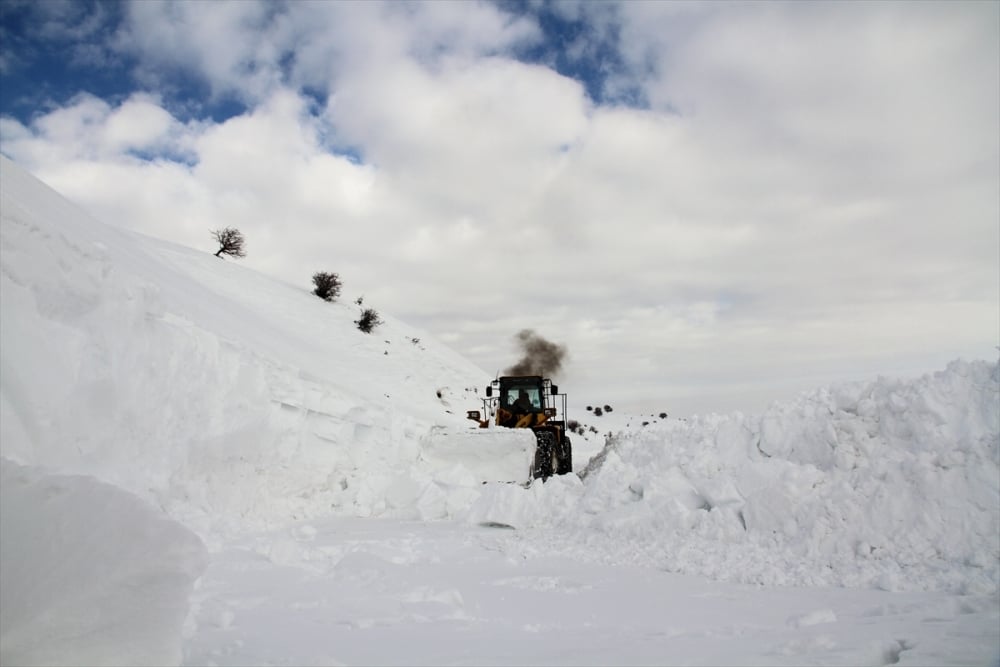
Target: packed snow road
[(381, 591)]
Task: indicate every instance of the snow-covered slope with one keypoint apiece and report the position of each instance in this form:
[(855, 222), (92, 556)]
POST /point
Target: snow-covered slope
[(229, 399)]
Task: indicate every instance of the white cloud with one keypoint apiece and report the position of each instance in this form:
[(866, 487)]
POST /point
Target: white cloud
[(481, 138), (244, 48), (825, 203), (222, 42), (88, 128), (138, 124)]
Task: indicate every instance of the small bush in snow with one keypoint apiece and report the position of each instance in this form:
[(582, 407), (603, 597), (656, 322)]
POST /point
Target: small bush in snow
[(663, 415), (327, 285), (230, 242), (369, 320)]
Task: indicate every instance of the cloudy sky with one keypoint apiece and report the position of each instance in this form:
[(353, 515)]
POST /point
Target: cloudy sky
[(712, 205)]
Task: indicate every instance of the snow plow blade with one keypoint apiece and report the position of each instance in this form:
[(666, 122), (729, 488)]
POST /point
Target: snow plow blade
[(488, 455)]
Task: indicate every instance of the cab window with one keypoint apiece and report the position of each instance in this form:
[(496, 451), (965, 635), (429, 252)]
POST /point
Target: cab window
[(532, 393)]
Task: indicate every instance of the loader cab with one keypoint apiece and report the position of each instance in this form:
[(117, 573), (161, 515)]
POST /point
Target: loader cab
[(541, 401), (520, 394)]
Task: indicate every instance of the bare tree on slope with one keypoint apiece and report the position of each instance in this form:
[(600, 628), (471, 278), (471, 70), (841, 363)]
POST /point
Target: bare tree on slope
[(230, 242)]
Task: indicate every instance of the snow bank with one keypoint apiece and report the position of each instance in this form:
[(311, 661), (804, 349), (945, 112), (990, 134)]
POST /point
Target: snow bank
[(890, 483), (90, 574)]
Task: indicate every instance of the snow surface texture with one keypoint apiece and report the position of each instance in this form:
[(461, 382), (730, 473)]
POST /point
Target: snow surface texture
[(249, 410), (388, 592)]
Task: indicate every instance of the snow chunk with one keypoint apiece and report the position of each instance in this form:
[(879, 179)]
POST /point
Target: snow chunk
[(817, 617), (90, 574)]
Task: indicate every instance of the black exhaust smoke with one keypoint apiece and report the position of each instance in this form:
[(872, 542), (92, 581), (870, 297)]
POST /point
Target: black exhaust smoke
[(539, 356)]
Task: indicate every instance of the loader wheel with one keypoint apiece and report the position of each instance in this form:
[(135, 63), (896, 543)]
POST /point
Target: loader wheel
[(545, 452), (565, 459)]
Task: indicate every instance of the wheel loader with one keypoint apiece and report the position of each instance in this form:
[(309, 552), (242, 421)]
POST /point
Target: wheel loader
[(531, 402)]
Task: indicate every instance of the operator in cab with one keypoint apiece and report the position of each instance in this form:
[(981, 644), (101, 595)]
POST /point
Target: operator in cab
[(522, 404)]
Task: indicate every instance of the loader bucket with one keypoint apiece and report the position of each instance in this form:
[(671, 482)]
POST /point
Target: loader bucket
[(488, 455)]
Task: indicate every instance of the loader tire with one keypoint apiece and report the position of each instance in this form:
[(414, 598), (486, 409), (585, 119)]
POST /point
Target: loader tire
[(545, 454), (564, 461)]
